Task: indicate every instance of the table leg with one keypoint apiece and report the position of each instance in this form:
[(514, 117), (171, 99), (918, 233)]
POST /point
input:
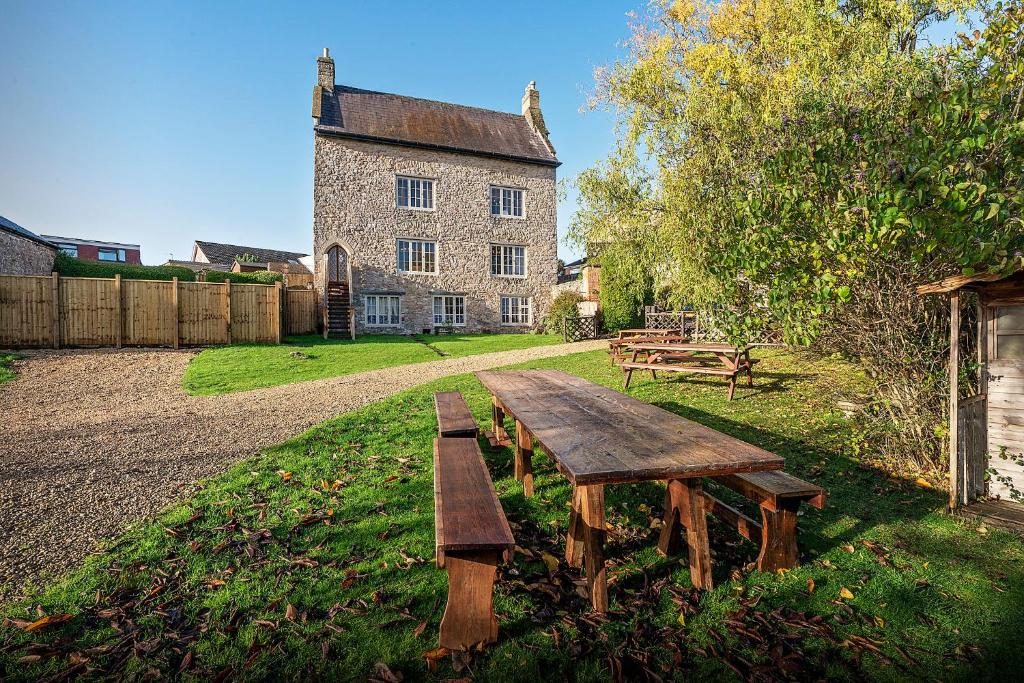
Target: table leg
[(498, 418), (750, 369), (684, 506), (524, 458), (574, 536), (592, 509)]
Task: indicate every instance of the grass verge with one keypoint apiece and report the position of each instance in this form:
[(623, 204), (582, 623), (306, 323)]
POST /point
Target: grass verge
[(313, 561), (241, 367), (6, 373)]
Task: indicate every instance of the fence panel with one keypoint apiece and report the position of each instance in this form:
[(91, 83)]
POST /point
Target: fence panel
[(203, 313), (578, 329), (253, 313), (147, 316), (26, 310), (301, 311), (88, 311)]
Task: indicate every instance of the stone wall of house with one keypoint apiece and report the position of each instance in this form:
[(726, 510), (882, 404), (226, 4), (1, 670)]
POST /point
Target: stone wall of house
[(22, 256), (354, 206)]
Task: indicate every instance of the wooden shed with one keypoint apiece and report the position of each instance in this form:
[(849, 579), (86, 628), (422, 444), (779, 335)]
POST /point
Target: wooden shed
[(986, 431)]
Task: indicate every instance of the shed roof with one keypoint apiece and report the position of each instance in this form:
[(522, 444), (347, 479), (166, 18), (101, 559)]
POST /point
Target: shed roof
[(226, 253), (398, 119), (955, 282)]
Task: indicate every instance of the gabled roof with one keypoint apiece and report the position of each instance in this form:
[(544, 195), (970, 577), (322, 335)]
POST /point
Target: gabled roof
[(397, 119), (226, 253), (10, 226)]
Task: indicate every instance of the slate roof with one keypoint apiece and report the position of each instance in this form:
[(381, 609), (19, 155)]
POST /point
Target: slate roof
[(11, 226), (226, 253), (398, 119)]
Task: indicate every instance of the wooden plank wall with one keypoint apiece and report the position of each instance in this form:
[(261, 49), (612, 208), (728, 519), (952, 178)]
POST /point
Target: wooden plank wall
[(300, 308), (104, 312), (202, 313), (26, 310), (253, 314), (1006, 427)]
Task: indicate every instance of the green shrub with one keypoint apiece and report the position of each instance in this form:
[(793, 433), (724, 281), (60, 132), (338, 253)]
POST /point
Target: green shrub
[(69, 266), (258, 277), (564, 306), (627, 285)]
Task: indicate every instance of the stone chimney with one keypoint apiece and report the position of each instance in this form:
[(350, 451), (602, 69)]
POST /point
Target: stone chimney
[(325, 70), (531, 112)]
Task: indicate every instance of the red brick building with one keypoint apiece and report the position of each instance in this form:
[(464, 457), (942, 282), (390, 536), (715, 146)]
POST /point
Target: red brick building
[(94, 250)]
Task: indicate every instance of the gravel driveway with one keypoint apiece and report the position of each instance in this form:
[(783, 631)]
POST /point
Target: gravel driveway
[(94, 440)]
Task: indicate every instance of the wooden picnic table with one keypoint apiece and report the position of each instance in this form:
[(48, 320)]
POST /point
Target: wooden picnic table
[(597, 436), (616, 347), (709, 359)]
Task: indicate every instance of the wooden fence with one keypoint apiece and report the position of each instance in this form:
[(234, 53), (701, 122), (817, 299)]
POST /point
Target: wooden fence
[(74, 311)]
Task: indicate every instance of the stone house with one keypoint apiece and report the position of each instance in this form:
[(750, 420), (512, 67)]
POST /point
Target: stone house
[(430, 216), (22, 252)]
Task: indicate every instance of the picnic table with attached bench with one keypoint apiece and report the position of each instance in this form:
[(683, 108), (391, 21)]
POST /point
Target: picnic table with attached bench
[(598, 437), (708, 359)]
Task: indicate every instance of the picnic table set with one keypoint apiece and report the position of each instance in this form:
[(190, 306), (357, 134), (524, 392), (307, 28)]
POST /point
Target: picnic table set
[(595, 437)]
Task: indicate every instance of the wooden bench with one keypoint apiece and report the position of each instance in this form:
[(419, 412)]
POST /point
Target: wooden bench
[(453, 416), (471, 536), (672, 357), (779, 495)]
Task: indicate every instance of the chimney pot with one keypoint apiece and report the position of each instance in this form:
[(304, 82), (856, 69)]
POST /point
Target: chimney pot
[(532, 114)]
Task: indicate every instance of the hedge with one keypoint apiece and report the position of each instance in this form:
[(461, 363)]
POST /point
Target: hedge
[(69, 266), (257, 277)]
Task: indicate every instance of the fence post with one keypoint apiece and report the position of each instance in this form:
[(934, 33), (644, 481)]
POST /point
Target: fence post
[(174, 303), (55, 291), (227, 307), (120, 307), (564, 336), (277, 309)]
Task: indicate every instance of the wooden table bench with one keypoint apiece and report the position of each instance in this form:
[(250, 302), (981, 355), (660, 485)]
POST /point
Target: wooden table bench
[(471, 536), (616, 347), (779, 496), (453, 415), (596, 437), (723, 360)]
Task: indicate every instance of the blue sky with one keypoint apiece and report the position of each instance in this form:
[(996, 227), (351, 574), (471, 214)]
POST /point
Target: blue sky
[(162, 123)]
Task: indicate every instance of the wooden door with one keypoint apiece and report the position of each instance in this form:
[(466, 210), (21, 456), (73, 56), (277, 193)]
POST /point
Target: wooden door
[(337, 265), (1006, 401)]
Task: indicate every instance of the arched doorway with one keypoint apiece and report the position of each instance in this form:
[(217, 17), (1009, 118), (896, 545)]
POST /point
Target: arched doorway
[(339, 320)]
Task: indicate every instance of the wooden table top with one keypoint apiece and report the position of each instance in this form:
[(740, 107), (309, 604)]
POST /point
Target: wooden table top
[(599, 436), (681, 346)]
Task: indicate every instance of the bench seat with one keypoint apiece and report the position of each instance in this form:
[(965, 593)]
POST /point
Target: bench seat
[(472, 536), (779, 496), (453, 415)]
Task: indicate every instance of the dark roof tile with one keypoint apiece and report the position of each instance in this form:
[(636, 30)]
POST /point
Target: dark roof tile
[(11, 226), (226, 253), (398, 119)]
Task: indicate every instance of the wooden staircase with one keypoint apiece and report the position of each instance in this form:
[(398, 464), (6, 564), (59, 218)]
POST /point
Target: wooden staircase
[(338, 312)]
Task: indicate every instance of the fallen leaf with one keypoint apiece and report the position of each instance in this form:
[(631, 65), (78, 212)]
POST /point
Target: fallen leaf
[(810, 585), (923, 483), (879, 622), (418, 631), (290, 613), (845, 593), (46, 622), (550, 561), (848, 548)]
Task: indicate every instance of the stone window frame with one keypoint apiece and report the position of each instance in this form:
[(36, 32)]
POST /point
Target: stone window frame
[(510, 188), (378, 297), (444, 323), (503, 245), (433, 192), (521, 298), (422, 240)]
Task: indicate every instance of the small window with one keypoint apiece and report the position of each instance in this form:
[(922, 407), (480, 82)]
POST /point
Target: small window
[(68, 249), (508, 260), (111, 255), (515, 310), (417, 256), (414, 193), (383, 310), (1010, 333), (449, 310), (506, 201)]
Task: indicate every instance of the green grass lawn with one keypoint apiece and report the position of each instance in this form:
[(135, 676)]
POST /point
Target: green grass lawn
[(241, 367), (6, 374), (314, 561)]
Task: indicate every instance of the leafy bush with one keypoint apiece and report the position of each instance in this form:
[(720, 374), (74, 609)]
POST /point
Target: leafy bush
[(627, 285), (258, 277), (69, 266), (563, 306)]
